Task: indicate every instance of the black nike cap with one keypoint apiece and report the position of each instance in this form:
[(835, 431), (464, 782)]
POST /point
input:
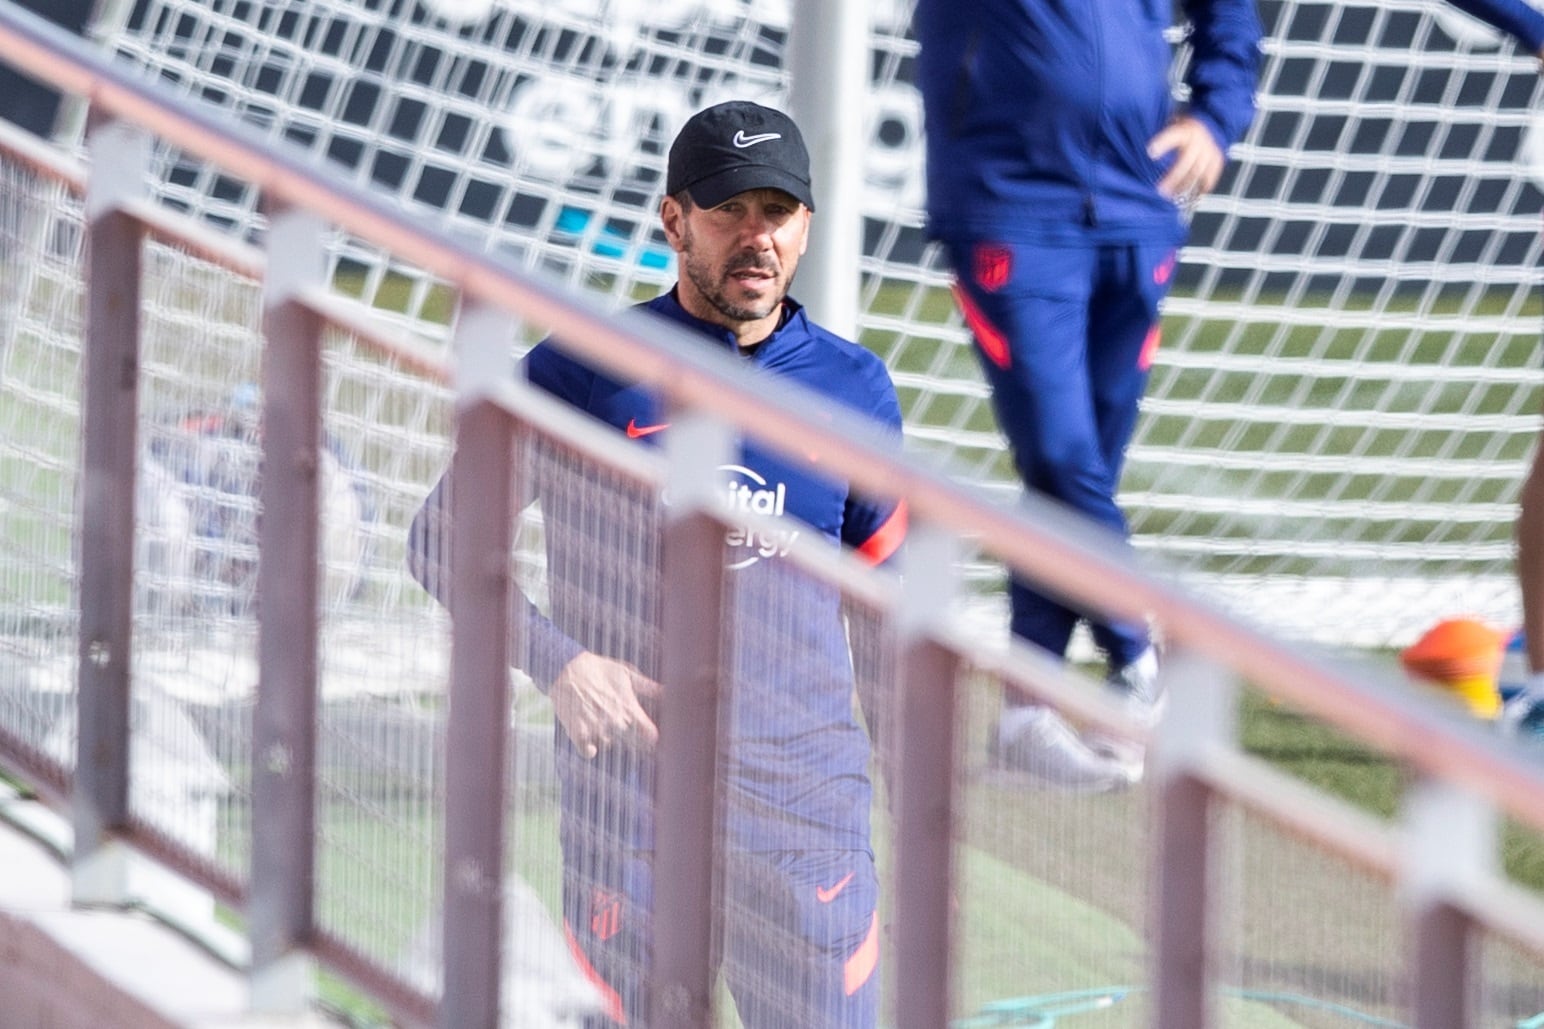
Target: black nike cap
[(735, 146)]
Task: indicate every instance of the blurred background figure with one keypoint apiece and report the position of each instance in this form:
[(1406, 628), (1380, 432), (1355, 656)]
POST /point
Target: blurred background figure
[(1060, 175), (199, 510)]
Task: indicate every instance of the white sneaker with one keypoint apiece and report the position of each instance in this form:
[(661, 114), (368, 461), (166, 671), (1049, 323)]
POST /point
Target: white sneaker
[(1039, 743), (1137, 686)]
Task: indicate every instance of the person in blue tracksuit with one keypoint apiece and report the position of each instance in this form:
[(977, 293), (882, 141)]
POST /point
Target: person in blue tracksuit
[(800, 924), (1058, 173)]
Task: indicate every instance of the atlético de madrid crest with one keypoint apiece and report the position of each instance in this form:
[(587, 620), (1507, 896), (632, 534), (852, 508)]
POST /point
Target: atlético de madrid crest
[(994, 266)]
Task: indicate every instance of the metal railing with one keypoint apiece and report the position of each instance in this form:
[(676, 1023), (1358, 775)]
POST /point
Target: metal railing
[(1465, 775)]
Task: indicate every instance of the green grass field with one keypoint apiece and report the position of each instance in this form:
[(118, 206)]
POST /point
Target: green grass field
[(1009, 955), (1338, 765)]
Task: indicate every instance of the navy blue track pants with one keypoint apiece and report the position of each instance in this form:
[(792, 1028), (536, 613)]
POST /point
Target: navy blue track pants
[(1066, 335)]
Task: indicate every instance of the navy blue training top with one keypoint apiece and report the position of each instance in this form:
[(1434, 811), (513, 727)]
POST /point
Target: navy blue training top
[(798, 757)]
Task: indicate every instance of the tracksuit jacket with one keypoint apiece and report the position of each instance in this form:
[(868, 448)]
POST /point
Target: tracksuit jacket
[(1040, 111), (798, 758)]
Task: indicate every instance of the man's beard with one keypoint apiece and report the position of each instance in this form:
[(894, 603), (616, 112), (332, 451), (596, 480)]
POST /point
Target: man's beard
[(713, 287)]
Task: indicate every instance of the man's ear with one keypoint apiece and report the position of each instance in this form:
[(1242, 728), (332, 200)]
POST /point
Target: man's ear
[(672, 217)]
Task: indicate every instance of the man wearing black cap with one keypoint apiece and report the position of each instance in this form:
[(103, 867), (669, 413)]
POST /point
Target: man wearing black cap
[(737, 213), (798, 901)]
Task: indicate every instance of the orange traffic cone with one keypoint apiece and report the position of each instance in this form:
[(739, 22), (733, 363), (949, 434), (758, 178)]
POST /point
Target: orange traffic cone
[(1462, 655)]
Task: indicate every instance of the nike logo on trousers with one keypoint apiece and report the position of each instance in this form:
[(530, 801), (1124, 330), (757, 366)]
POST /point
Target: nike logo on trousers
[(826, 894)]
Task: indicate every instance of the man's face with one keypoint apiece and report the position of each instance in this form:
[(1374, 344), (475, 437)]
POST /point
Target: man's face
[(738, 259)]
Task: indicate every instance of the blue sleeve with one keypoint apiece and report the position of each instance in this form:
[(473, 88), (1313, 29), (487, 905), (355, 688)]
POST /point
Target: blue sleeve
[(877, 529), (558, 374), (428, 559), (1224, 65), (1517, 18), (548, 648)]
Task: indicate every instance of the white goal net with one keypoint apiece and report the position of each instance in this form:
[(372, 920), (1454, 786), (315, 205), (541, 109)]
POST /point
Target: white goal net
[(1346, 396)]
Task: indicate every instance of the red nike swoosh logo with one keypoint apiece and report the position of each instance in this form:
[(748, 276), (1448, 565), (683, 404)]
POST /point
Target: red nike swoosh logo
[(826, 894), (636, 431)]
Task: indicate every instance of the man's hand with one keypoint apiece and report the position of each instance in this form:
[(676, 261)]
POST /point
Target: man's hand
[(1198, 160), (600, 702)]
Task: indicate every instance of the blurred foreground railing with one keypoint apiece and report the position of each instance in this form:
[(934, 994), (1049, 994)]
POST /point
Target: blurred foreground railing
[(956, 843)]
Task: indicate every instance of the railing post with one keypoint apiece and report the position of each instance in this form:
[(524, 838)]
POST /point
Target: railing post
[(1450, 845), (1201, 717), (282, 903), (483, 506), (119, 157), (688, 850), (924, 790)]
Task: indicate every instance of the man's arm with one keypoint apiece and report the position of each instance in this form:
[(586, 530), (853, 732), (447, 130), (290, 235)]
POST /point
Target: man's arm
[(1530, 566), (1525, 23), (598, 700), (428, 560), (867, 644), (876, 531), (1224, 71), (1523, 714)]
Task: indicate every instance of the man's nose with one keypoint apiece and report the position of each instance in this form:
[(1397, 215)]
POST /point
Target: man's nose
[(758, 228)]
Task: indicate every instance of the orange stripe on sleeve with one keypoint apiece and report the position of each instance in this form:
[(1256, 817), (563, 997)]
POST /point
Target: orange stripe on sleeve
[(887, 539)]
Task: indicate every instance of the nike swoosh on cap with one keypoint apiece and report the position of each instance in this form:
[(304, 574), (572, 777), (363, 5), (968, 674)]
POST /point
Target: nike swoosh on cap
[(636, 431), (742, 141)]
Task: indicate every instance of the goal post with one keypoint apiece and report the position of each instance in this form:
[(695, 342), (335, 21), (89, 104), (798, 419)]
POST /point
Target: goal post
[(1347, 392)]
